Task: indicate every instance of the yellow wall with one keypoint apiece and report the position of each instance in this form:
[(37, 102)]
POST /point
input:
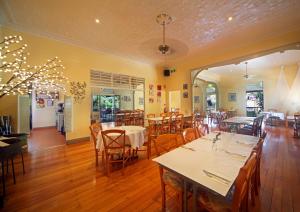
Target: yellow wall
[(9, 107), (214, 55), (236, 84), (78, 62)]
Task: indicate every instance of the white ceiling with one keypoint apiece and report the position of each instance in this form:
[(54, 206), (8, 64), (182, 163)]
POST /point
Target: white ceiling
[(128, 28), (256, 65)]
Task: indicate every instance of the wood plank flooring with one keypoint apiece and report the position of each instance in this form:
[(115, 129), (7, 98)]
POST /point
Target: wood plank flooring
[(66, 179)]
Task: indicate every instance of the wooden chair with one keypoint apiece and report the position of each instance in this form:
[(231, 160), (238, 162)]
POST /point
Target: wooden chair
[(297, 126), (202, 130), (250, 129), (128, 119), (258, 149), (190, 134), (199, 119), (165, 143), (165, 125), (115, 149), (222, 126), (141, 118), (151, 115), (118, 119), (135, 118), (211, 202), (189, 122), (177, 124), (95, 129), (169, 179)]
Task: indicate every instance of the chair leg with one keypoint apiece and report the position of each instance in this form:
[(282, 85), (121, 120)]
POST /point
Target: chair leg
[(3, 178), (253, 195), (13, 170), (149, 149), (96, 153), (180, 201), (163, 190), (23, 163), (7, 165), (107, 168), (102, 153)]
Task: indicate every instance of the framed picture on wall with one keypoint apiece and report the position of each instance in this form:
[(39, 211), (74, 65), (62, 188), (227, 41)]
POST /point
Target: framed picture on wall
[(185, 94), (185, 86), (196, 99), (232, 97)]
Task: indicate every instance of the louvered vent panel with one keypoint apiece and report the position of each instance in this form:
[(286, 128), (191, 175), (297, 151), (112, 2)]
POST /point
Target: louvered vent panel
[(117, 81)]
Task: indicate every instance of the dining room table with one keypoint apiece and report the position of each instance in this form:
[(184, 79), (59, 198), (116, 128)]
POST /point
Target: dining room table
[(236, 121), (134, 136), (289, 119), (210, 163)]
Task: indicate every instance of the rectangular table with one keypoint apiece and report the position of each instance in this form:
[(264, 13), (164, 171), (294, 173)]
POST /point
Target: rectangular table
[(240, 120), (236, 121), (224, 159)]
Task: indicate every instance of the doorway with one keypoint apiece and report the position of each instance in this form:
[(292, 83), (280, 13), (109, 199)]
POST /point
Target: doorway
[(254, 99), (174, 101), (47, 121)]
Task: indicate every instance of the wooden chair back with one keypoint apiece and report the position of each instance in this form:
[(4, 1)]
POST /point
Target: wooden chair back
[(165, 143), (202, 130), (189, 134), (151, 115), (118, 119), (241, 185), (113, 140), (95, 129), (179, 122), (127, 118)]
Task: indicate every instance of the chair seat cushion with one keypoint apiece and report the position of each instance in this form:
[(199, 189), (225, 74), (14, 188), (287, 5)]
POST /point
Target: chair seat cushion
[(118, 154)]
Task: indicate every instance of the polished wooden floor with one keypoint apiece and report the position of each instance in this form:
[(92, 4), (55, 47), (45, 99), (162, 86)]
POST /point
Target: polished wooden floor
[(66, 179), (45, 138)]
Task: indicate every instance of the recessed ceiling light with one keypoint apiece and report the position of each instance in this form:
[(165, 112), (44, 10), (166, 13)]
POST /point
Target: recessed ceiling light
[(230, 18), (97, 21)]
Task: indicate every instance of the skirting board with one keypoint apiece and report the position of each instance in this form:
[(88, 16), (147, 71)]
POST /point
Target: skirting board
[(78, 140)]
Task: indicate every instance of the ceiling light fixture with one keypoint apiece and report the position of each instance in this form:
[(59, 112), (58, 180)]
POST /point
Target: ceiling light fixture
[(164, 19), (230, 18), (97, 21)]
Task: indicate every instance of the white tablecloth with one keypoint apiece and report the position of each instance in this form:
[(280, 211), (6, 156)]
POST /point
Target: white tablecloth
[(134, 135), (224, 158)]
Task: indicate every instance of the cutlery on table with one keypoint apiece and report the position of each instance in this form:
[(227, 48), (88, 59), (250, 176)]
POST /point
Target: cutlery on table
[(217, 177), (188, 148), (235, 154)]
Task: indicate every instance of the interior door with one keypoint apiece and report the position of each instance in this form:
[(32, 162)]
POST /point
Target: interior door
[(23, 114)]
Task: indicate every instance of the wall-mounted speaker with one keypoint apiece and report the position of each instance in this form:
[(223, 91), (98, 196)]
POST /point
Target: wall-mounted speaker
[(167, 72)]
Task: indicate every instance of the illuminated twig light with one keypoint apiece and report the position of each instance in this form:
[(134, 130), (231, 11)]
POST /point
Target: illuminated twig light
[(16, 77)]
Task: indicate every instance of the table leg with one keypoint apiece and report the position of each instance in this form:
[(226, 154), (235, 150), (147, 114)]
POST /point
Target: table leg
[(185, 196), (194, 198)]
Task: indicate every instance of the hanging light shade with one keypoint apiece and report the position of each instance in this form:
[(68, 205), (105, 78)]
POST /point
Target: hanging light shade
[(163, 19)]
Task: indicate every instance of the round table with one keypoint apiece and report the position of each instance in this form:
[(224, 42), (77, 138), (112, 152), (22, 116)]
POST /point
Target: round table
[(134, 135)]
